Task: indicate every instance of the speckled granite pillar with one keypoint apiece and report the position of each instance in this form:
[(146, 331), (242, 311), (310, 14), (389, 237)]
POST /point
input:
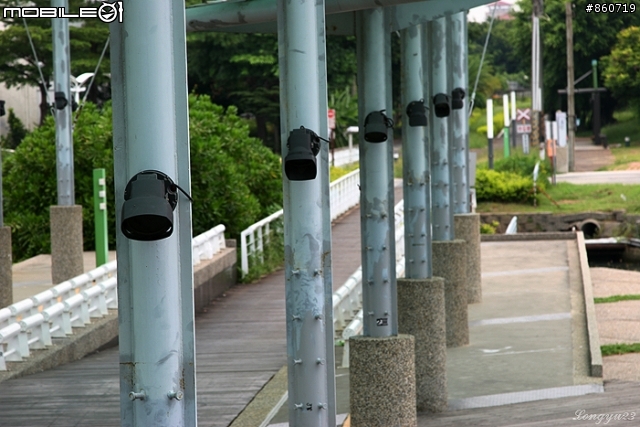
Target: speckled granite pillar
[(449, 259), (66, 242), (421, 314), (382, 381), (6, 263), (467, 228)]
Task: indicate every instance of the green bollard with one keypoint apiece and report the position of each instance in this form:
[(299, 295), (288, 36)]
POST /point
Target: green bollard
[(100, 216)]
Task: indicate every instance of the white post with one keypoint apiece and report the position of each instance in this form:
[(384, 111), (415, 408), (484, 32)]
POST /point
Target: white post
[(490, 130)]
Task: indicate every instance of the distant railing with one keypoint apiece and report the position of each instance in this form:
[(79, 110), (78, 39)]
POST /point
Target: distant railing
[(32, 323), (344, 194)]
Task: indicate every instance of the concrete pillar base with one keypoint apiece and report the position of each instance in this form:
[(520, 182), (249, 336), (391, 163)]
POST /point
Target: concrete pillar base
[(6, 263), (467, 228), (421, 314), (382, 381), (66, 242), (449, 259)]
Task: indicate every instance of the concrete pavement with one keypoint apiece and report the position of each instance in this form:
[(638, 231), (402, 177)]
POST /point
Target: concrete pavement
[(603, 177), (33, 275), (528, 338)]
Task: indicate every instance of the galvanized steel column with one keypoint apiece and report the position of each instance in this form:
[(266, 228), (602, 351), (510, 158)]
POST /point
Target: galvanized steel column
[(458, 35), (376, 208), (155, 278), (306, 206), (323, 171), (61, 77), (417, 191), (440, 171)]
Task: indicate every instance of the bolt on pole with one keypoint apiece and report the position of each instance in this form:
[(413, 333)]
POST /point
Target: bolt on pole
[(417, 191), (310, 358), (460, 120), (379, 298), (440, 158), (62, 106), (100, 216), (155, 292)]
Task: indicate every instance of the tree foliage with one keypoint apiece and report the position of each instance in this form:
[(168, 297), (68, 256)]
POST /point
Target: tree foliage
[(17, 131), (236, 181), (622, 67), (242, 70), (19, 67), (594, 34)]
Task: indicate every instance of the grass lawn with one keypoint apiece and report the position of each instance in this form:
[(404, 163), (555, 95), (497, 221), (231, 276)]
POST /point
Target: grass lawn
[(336, 172), (624, 156), (576, 198), (612, 349)]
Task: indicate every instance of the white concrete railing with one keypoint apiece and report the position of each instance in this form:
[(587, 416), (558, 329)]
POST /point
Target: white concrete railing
[(347, 299), (344, 194), (209, 243), (32, 323)]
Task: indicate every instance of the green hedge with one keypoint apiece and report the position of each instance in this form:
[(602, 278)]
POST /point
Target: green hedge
[(523, 165), (494, 186), (236, 180)]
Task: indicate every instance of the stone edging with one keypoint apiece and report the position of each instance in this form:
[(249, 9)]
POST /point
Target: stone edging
[(590, 310)]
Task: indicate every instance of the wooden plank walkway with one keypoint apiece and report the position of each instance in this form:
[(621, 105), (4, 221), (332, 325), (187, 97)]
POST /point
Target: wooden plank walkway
[(240, 345)]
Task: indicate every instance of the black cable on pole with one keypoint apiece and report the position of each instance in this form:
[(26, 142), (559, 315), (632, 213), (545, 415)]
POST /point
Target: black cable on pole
[(484, 51)]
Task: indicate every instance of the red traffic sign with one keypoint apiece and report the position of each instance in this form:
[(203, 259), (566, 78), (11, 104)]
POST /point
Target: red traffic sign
[(523, 114), (331, 116), (523, 128)]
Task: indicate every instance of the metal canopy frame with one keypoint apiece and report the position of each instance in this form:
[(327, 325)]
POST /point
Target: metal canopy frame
[(259, 16)]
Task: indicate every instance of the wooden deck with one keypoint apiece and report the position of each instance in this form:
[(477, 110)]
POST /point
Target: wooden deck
[(240, 345)]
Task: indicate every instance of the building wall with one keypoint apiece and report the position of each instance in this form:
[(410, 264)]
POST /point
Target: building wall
[(25, 102)]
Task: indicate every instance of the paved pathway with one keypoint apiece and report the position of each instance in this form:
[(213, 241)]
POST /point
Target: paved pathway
[(603, 177)]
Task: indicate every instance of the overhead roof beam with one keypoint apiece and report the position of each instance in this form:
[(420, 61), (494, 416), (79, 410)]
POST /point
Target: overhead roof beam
[(218, 16), (259, 16)]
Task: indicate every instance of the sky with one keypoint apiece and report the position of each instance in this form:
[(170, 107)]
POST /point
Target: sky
[(482, 13)]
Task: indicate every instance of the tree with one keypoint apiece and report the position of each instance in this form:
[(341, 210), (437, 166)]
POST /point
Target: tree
[(235, 180), (622, 68), (594, 35), (18, 66), (240, 70)]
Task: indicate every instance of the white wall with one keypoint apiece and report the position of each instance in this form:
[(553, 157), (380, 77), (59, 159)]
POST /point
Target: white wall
[(25, 102)]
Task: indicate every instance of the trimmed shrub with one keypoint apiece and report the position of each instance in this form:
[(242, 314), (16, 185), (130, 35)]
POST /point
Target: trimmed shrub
[(523, 165), (235, 179), (494, 186)]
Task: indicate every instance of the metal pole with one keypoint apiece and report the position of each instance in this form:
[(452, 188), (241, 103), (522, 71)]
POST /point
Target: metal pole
[(571, 106), (62, 109), (303, 100), (513, 133), (1, 196), (100, 216), (460, 118), (325, 182), (155, 293), (596, 103), (440, 171), (417, 192), (379, 288), (490, 131)]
